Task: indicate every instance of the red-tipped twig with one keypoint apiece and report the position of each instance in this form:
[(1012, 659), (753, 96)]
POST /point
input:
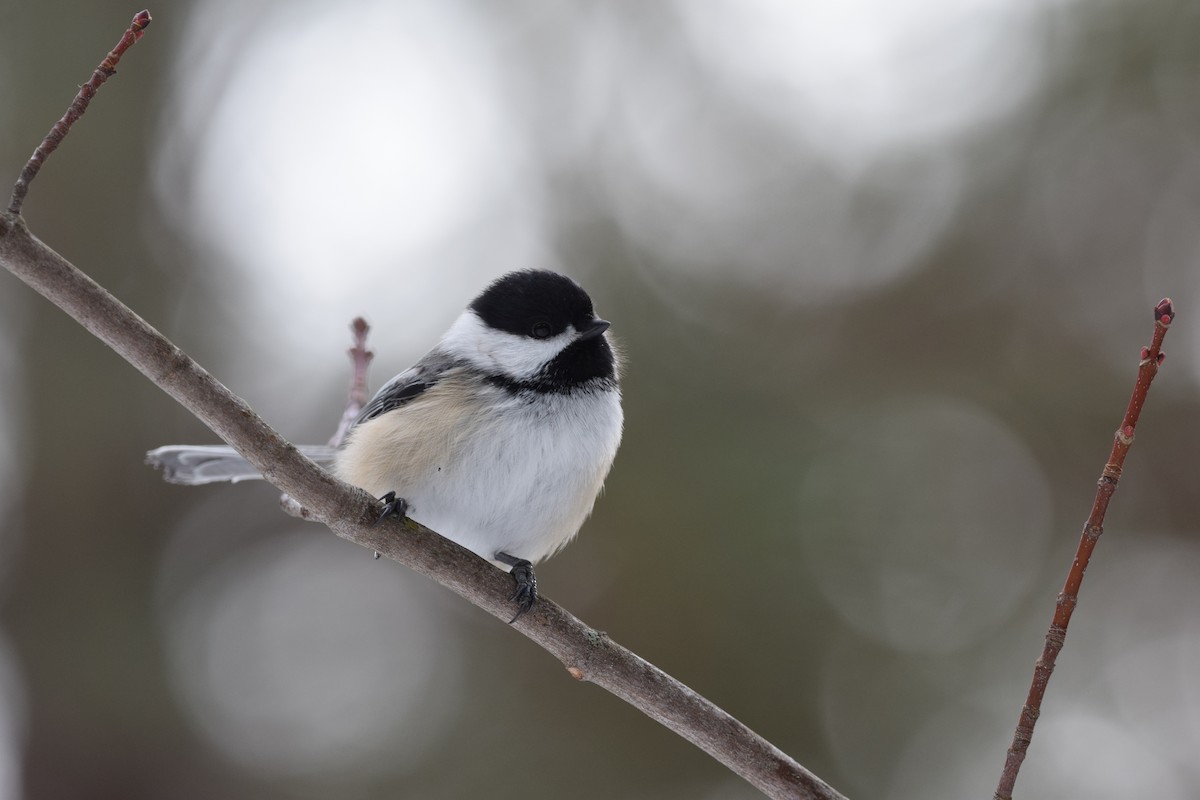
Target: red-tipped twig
[(1152, 357), (107, 68), (360, 357)]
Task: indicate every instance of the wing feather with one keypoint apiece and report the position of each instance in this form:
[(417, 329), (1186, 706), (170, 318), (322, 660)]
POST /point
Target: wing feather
[(406, 386)]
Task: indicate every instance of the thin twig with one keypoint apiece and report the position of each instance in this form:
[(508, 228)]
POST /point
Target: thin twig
[(360, 358), (60, 129), (1152, 357), (349, 512)]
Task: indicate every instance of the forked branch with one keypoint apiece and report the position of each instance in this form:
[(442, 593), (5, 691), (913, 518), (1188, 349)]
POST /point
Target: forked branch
[(586, 653)]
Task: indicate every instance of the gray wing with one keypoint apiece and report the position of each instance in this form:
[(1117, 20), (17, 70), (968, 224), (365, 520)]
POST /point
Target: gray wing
[(406, 386)]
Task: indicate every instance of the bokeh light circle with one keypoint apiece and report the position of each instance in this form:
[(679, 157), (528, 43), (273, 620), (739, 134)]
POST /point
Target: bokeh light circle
[(923, 522), (302, 658)]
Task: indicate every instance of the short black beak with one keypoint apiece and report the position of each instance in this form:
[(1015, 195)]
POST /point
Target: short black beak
[(595, 328)]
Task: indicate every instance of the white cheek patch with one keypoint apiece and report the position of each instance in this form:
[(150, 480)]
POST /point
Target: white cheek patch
[(517, 357)]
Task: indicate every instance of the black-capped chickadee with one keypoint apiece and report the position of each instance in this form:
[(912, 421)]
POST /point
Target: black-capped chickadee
[(499, 438)]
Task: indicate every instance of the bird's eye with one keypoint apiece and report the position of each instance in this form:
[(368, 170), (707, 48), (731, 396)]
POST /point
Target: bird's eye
[(541, 330)]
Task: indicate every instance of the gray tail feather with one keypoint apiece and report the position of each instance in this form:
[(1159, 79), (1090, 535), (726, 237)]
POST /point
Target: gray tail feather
[(193, 464)]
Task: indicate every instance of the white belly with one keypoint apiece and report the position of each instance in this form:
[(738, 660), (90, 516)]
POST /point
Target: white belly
[(522, 485)]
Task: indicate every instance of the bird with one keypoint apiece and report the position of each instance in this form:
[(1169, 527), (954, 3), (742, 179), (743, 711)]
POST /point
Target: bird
[(500, 438)]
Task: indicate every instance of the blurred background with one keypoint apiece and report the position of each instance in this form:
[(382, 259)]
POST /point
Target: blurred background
[(880, 272)]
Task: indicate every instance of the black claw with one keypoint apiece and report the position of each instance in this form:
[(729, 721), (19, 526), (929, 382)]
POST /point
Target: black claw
[(392, 507), (526, 591)]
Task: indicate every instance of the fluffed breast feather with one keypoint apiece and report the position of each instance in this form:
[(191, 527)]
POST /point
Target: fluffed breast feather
[(409, 447), (493, 470)]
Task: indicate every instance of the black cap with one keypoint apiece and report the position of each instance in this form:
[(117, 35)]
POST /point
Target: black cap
[(534, 303)]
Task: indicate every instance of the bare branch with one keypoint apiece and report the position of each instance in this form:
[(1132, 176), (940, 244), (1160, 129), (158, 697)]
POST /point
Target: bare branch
[(350, 513), (60, 129), (1151, 358), (360, 357)]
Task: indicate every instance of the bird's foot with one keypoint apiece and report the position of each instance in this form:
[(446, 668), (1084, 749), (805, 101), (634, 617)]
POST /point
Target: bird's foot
[(526, 592), (392, 507)]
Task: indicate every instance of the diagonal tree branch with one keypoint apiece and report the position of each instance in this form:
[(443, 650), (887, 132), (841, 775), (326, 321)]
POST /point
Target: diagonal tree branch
[(587, 654), (1151, 358)]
